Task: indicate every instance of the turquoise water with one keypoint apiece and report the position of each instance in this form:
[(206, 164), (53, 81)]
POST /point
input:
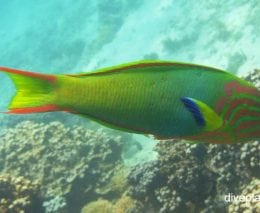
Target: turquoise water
[(68, 36), (74, 36)]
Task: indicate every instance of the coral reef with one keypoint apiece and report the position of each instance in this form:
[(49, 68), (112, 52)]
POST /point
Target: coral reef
[(235, 164), (18, 194), (122, 205), (116, 185), (101, 205), (251, 203), (67, 161), (56, 204), (170, 183), (194, 177), (145, 178)]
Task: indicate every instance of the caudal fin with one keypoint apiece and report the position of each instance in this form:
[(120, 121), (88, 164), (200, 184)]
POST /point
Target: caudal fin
[(34, 92)]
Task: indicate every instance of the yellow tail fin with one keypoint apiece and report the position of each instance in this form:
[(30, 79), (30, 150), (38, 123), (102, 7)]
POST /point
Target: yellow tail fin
[(34, 91)]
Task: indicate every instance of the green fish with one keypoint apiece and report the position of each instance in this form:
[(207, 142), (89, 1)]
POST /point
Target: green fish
[(165, 99)]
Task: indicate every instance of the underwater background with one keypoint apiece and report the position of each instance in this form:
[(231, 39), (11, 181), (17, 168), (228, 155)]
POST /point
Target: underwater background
[(58, 162)]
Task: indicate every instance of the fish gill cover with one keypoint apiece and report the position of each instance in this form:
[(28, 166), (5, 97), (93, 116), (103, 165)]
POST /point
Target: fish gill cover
[(60, 163)]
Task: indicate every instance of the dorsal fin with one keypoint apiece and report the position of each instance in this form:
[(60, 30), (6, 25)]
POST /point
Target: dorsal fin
[(141, 64), (204, 115)]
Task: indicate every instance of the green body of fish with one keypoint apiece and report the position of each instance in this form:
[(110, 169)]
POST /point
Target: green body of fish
[(164, 99)]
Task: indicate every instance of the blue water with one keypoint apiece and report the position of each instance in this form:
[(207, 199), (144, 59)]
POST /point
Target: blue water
[(66, 36)]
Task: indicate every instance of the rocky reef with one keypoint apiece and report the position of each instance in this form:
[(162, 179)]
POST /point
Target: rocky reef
[(194, 177), (251, 202), (18, 194), (73, 165), (123, 205)]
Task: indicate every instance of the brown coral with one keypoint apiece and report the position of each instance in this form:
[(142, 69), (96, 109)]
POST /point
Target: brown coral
[(18, 194), (250, 202), (68, 161), (101, 205), (124, 204)]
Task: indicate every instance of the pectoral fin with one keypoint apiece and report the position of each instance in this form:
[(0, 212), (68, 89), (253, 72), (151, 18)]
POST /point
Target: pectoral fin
[(204, 115)]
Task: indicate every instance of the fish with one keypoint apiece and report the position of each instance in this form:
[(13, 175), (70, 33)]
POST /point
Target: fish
[(165, 99)]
